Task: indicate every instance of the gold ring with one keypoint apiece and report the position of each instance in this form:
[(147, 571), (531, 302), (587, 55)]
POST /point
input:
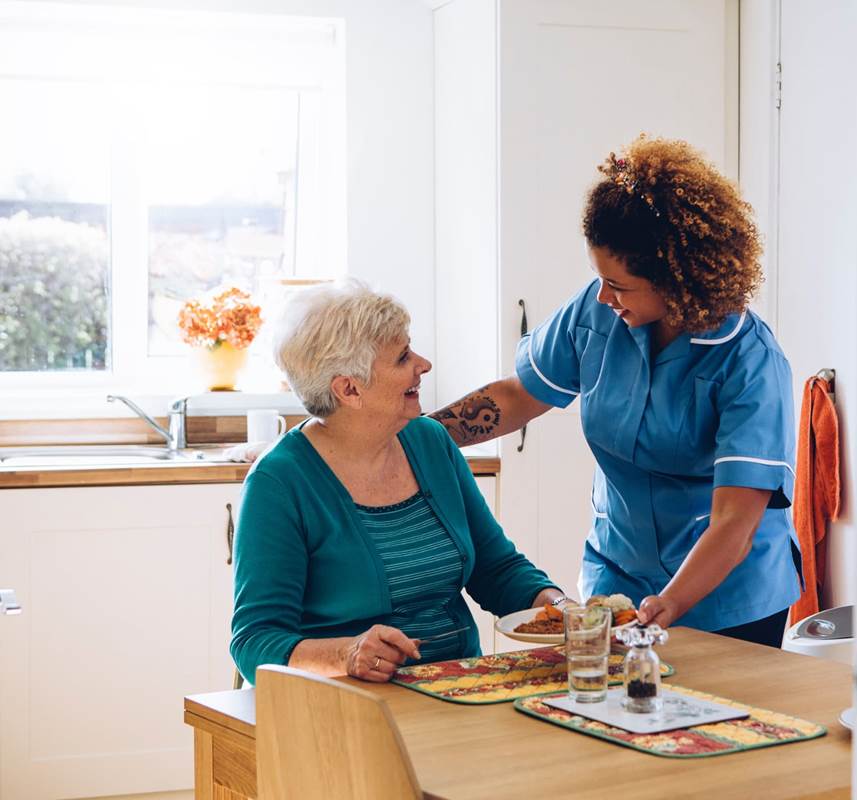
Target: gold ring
[(377, 663)]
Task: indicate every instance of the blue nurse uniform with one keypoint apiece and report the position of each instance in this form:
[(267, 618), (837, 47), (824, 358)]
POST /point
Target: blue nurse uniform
[(713, 409)]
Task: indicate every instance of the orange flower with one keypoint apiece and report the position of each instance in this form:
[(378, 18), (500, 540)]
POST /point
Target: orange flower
[(229, 317)]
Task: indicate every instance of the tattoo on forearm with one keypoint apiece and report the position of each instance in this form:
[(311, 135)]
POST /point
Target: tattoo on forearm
[(472, 419)]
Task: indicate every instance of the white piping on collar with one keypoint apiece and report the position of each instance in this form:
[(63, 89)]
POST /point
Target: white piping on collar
[(763, 461), (538, 372), (724, 338)]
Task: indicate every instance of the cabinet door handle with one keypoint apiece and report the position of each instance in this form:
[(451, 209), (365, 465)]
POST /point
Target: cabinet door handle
[(8, 602), (230, 532), (523, 306)]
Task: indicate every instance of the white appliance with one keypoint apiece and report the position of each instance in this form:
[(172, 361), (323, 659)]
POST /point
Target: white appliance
[(827, 634)]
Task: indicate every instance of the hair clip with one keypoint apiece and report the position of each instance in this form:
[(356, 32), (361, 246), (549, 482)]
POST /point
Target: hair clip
[(620, 172)]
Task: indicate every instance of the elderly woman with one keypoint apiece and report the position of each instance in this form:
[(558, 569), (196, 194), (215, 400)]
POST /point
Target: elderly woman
[(686, 399), (359, 528)]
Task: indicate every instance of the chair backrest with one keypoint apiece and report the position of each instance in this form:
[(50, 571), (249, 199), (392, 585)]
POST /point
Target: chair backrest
[(316, 737), (237, 679)]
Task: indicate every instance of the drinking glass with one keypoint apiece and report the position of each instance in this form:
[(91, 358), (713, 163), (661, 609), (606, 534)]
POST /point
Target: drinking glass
[(587, 649)]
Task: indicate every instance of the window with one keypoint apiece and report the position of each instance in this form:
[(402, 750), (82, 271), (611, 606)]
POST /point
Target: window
[(54, 222), (214, 219), (154, 156)]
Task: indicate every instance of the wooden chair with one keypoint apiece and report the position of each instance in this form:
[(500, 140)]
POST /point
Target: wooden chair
[(237, 679), (319, 738)]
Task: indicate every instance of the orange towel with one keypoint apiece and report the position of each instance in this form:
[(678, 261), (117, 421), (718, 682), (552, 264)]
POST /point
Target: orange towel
[(817, 489)]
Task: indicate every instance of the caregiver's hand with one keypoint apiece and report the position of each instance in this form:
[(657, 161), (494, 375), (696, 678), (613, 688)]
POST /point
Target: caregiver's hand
[(658, 609), (375, 654)]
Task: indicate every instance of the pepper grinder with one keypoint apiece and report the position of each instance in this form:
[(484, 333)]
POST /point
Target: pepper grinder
[(642, 672)]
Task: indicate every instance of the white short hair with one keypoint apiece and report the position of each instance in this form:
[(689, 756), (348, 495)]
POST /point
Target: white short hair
[(333, 329)]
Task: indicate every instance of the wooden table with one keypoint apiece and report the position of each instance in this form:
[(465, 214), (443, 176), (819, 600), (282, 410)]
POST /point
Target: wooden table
[(492, 751)]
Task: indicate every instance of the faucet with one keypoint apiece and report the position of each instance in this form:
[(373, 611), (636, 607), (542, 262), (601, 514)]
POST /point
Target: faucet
[(176, 436)]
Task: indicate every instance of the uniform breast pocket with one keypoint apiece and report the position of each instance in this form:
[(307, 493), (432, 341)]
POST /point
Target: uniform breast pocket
[(697, 440), (591, 349)]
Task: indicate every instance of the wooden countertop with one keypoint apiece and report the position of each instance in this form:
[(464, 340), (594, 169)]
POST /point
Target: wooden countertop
[(157, 473), (209, 433), (492, 751)]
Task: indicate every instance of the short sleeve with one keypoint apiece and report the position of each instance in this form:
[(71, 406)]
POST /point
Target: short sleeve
[(756, 435), (546, 361)]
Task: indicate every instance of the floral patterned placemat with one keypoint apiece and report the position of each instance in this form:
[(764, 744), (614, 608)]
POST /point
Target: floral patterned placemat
[(762, 728), (503, 677)]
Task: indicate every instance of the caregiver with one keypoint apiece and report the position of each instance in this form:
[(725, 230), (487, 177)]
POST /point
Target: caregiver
[(686, 399)]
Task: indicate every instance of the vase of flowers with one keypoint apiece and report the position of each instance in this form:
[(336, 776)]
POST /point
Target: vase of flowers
[(220, 331)]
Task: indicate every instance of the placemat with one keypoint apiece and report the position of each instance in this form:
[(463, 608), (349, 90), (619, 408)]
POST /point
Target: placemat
[(502, 677), (762, 728)]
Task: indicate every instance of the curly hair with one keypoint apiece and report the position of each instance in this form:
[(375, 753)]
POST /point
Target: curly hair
[(675, 220)]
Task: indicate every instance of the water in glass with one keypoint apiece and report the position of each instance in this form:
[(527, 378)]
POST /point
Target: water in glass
[(587, 647)]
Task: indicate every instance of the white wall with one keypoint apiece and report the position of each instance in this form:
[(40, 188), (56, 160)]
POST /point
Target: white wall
[(390, 158)]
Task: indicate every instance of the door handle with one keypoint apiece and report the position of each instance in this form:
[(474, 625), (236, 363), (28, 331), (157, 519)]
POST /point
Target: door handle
[(524, 328), (8, 602), (230, 532)]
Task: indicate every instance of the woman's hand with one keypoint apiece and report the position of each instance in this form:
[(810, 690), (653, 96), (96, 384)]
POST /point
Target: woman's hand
[(659, 610), (376, 654), (735, 515)]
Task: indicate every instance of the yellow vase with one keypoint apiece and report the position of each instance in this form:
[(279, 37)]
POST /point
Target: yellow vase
[(220, 366)]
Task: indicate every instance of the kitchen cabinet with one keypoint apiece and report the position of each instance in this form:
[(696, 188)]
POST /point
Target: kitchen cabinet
[(530, 96), (126, 589), (126, 598), (485, 619)]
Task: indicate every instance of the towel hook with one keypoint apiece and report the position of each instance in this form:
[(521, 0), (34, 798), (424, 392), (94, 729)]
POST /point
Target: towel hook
[(828, 375)]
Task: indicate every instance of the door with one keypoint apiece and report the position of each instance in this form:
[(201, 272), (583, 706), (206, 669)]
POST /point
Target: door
[(816, 278), (576, 80)]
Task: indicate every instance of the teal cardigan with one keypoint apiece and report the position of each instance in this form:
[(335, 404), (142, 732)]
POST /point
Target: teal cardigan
[(305, 567)]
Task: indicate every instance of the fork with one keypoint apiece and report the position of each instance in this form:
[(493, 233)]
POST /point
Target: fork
[(439, 636)]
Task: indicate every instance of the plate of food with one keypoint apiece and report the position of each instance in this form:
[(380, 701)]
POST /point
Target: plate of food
[(544, 625)]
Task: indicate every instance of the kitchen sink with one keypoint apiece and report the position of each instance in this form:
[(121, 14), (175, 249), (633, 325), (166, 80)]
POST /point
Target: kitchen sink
[(100, 456)]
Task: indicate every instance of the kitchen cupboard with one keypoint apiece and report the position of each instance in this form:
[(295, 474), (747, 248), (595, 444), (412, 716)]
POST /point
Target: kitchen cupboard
[(484, 619), (530, 96), (126, 589)]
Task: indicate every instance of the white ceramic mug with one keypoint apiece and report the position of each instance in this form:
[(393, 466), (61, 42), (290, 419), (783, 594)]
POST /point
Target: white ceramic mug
[(264, 425)]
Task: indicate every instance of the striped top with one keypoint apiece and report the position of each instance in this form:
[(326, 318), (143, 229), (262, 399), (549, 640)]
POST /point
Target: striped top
[(424, 572)]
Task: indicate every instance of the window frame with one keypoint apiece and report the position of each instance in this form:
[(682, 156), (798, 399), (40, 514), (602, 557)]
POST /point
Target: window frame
[(319, 239)]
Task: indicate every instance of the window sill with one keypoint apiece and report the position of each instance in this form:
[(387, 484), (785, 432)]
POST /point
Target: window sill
[(93, 405)]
